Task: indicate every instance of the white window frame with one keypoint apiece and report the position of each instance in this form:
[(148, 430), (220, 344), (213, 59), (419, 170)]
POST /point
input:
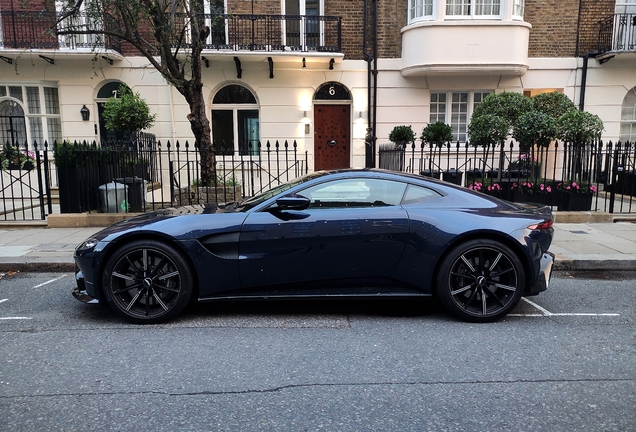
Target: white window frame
[(628, 117), (235, 108), (42, 115), (79, 41), (459, 127), (625, 7), (303, 24), (472, 7), (207, 9), (516, 6), (422, 5)]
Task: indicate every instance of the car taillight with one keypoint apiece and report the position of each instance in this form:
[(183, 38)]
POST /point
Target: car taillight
[(542, 225)]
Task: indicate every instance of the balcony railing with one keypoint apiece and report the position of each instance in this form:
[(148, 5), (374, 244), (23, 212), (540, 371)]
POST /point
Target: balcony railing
[(27, 29), (617, 33), (36, 30), (228, 32), (270, 33)]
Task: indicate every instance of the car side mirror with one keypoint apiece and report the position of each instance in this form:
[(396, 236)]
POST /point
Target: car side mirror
[(292, 202)]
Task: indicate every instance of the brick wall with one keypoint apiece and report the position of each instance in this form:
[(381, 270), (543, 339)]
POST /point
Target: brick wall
[(392, 16), (554, 24), (592, 11), (263, 7), (352, 13)]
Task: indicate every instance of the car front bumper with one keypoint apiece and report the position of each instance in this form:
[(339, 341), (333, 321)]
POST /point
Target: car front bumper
[(79, 292)]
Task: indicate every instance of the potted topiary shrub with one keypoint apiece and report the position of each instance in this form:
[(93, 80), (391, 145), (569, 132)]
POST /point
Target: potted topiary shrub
[(532, 128), (578, 129), (127, 113), (438, 135), (401, 136)]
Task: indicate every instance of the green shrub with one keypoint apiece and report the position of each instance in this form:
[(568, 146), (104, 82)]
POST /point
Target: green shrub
[(438, 133), (402, 135), (129, 112)]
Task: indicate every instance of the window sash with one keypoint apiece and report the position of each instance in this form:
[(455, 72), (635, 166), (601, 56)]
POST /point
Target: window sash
[(420, 9), (41, 124), (458, 111), (518, 8), (473, 8)]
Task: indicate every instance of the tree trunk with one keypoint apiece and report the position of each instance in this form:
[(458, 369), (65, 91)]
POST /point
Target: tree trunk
[(200, 126)]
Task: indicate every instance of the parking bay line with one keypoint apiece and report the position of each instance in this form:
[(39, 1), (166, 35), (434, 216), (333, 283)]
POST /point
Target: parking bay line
[(48, 282), (547, 313), (13, 318)]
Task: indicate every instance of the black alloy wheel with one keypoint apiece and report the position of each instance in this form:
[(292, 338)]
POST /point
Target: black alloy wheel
[(147, 282), (481, 281)]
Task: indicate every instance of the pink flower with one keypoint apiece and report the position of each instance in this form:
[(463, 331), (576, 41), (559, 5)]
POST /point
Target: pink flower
[(549, 189), (593, 188)]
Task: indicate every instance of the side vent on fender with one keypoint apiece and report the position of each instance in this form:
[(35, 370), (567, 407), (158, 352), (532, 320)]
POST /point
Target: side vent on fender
[(223, 245)]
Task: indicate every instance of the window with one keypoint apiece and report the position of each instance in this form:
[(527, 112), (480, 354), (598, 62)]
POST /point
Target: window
[(625, 7), (473, 8), (302, 24), (355, 193), (23, 109), (628, 117), (417, 194), (457, 112), (518, 7), (420, 9), (235, 121)]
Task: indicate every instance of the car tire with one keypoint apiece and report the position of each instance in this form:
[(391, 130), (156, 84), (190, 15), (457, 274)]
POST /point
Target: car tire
[(147, 282), (480, 281)]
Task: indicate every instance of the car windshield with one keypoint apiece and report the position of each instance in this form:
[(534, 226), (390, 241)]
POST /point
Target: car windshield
[(257, 199)]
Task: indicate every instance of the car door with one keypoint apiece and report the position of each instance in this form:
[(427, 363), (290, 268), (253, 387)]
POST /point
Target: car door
[(352, 228)]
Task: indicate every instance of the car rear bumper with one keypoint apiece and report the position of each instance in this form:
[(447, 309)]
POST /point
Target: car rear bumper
[(545, 273)]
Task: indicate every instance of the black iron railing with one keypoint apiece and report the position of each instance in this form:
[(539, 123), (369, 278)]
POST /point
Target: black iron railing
[(617, 33), (28, 29), (135, 176), (511, 170), (271, 33), (232, 32), (38, 29)]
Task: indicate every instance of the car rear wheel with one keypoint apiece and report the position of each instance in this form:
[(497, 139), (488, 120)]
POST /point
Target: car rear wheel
[(147, 282), (480, 281)]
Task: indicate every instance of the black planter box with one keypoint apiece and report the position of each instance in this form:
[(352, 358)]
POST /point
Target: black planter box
[(575, 201), (452, 176)]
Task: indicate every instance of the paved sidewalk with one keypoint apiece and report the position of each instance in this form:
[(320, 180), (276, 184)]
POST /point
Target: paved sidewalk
[(577, 246)]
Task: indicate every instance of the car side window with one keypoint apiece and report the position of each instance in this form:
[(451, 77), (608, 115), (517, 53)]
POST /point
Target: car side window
[(417, 194), (355, 193)]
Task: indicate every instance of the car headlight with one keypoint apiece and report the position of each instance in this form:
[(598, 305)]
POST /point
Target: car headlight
[(88, 244)]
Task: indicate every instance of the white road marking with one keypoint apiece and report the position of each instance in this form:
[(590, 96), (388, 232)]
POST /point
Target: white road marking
[(547, 313), (48, 282), (3, 300), (16, 318)]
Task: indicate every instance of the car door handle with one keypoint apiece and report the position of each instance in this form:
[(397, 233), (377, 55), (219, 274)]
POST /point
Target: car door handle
[(382, 223)]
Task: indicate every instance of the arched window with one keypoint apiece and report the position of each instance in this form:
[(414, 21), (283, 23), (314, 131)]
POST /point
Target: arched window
[(628, 117), (235, 123), (38, 106), (12, 123)]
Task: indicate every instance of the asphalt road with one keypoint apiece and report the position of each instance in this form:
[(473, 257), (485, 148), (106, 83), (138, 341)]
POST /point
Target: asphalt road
[(565, 362)]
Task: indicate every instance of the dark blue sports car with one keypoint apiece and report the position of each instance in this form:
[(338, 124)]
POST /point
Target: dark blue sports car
[(340, 234)]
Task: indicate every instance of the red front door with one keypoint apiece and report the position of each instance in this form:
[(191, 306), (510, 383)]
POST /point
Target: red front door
[(332, 137)]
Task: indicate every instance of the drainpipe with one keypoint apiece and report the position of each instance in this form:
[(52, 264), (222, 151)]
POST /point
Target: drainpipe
[(372, 83), (586, 57)]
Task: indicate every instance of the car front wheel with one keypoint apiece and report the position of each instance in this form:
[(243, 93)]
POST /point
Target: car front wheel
[(480, 281), (147, 282)]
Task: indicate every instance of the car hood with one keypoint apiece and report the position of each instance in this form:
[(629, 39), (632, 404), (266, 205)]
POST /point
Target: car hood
[(179, 222)]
